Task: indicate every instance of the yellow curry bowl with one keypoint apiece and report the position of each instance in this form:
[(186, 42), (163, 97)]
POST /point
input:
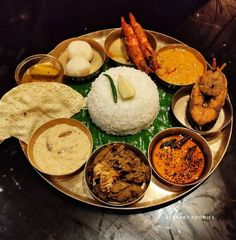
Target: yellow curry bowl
[(179, 65)]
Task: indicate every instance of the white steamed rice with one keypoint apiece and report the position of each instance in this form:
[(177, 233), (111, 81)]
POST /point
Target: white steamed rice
[(126, 116)]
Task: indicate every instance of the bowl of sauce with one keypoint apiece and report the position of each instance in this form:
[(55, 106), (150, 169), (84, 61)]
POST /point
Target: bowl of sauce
[(60, 147), (39, 68), (180, 157), (180, 65)]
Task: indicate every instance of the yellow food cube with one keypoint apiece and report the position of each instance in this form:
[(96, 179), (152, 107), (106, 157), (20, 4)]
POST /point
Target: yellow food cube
[(44, 70)]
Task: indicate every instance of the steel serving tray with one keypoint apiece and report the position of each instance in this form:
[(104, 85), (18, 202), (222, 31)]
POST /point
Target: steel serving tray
[(157, 194)]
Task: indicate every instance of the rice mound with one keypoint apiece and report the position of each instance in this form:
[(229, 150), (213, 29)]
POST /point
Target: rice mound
[(126, 116)]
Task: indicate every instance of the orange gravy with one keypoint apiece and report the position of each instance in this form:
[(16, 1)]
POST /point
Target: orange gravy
[(175, 164), (179, 66)]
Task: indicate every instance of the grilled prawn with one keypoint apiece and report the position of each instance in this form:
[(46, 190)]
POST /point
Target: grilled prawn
[(133, 47), (146, 48)]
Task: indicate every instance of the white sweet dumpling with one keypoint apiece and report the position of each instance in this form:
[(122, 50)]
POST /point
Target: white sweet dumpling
[(77, 66), (80, 48)]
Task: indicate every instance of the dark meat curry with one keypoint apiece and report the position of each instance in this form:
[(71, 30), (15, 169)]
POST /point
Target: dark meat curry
[(118, 174)]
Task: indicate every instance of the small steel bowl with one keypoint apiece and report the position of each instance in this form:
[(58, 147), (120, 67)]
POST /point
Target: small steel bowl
[(45, 127), (179, 109), (89, 168), (114, 42), (30, 61), (97, 61), (196, 53), (198, 139)]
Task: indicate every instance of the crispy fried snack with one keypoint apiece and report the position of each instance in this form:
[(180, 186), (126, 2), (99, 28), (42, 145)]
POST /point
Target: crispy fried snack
[(207, 98)]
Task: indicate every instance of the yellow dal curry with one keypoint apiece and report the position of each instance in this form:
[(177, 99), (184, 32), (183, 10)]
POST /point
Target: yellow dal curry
[(179, 66)]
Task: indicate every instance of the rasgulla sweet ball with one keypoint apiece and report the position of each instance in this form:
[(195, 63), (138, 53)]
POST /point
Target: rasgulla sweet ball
[(80, 48), (77, 66)]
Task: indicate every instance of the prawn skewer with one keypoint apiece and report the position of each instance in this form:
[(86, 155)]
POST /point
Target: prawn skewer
[(147, 50), (133, 47)]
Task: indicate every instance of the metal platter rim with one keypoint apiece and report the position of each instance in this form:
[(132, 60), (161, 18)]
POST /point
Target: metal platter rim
[(227, 132)]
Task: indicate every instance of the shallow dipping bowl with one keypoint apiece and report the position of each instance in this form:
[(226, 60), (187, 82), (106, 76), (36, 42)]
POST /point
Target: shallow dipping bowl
[(200, 141)]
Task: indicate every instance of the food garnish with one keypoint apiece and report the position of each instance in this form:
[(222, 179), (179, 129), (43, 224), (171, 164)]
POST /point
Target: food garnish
[(169, 143), (207, 99), (180, 165), (190, 152), (118, 174), (113, 87), (173, 143), (182, 141), (125, 88)]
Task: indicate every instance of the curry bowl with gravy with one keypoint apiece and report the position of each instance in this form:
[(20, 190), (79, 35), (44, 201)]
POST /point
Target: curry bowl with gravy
[(180, 157), (60, 147), (39, 68), (180, 65), (117, 174)]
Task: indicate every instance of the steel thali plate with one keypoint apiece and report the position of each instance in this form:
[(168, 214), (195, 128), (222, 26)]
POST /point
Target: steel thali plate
[(157, 194)]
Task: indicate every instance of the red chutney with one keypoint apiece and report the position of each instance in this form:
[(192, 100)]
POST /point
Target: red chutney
[(178, 159)]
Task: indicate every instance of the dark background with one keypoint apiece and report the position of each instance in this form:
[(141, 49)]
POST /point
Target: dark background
[(33, 210), (29, 27)]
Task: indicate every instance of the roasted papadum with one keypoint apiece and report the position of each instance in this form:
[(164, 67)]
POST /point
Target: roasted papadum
[(26, 107)]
